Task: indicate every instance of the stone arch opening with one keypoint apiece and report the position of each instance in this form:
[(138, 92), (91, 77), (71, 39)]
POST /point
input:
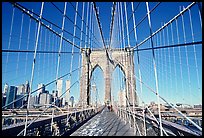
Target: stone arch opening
[(96, 94), (118, 85)]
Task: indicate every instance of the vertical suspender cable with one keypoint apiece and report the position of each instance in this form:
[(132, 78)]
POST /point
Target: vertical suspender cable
[(127, 25), (155, 71), (169, 62), (87, 13), (48, 53), (90, 21), (40, 45), (165, 66), (75, 23), (19, 45), (124, 62), (59, 53), (134, 120), (121, 13), (33, 66), (118, 4), (140, 75), (27, 44), (200, 13), (194, 50), (180, 60), (172, 36), (189, 80), (43, 66), (9, 43), (81, 36)]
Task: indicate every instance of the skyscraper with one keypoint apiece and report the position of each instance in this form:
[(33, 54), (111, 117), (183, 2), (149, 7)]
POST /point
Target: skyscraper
[(42, 90), (21, 89), (67, 91), (59, 87), (27, 87), (5, 91), (27, 91), (10, 96), (6, 87), (72, 101)]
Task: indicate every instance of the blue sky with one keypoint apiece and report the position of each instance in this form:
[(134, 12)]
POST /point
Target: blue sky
[(45, 69)]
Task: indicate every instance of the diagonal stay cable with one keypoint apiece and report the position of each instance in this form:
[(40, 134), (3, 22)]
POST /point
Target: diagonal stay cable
[(28, 12), (148, 87), (174, 18)]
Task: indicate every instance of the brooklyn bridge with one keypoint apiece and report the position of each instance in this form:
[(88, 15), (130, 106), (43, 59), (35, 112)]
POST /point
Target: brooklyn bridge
[(102, 68)]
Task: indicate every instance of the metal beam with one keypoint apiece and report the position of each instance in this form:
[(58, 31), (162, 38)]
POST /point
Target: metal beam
[(167, 46)]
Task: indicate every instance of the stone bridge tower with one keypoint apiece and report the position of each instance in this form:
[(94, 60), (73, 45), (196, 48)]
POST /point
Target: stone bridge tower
[(117, 57)]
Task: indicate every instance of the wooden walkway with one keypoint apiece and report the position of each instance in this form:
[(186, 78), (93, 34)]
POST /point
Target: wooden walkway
[(105, 123)]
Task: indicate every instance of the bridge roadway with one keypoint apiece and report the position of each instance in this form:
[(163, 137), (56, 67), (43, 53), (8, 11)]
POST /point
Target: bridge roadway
[(105, 123)]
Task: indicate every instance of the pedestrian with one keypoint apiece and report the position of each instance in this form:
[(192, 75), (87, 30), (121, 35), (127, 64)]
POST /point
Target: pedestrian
[(111, 108), (108, 108)]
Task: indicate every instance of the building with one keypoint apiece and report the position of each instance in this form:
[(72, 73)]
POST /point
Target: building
[(72, 101), (5, 91), (67, 91), (45, 98), (59, 87), (3, 100), (10, 96), (27, 90), (6, 88), (121, 99), (20, 102), (197, 106), (27, 87), (21, 89), (33, 99), (41, 88)]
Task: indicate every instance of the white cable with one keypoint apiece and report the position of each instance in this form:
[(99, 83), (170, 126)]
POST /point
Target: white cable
[(9, 43), (155, 72), (58, 62), (19, 45), (33, 66), (194, 50), (184, 35)]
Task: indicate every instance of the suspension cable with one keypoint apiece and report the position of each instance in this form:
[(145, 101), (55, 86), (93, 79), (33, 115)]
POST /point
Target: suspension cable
[(43, 24), (58, 63), (33, 67), (99, 24), (175, 72), (9, 43), (19, 45), (75, 22), (194, 50), (138, 59), (155, 71), (174, 18), (111, 26), (166, 102), (28, 41)]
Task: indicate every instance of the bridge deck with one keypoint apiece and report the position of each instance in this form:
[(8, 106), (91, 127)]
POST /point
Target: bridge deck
[(104, 124)]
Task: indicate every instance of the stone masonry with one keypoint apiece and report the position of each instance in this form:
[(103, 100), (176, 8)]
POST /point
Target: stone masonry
[(117, 57)]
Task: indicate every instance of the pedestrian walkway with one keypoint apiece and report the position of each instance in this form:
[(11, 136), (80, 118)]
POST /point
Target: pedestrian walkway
[(105, 123)]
